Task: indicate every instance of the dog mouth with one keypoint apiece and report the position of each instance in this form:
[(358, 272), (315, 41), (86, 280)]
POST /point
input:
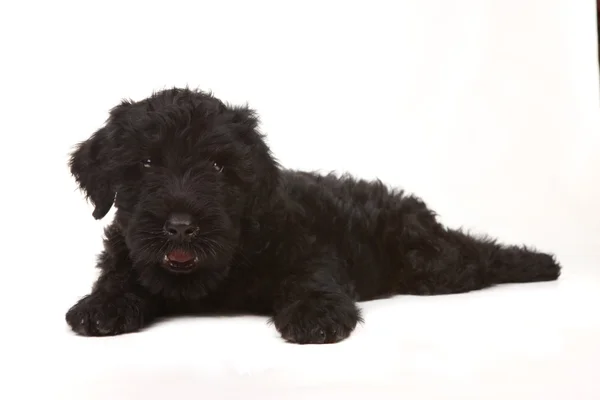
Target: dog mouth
[(180, 260)]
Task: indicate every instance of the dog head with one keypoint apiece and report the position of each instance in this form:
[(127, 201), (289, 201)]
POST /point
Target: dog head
[(185, 172)]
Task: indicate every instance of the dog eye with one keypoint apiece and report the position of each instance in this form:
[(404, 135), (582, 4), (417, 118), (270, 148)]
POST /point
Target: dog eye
[(147, 163), (218, 167)]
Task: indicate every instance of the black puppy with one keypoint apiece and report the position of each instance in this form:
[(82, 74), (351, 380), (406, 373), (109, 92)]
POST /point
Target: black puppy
[(208, 222)]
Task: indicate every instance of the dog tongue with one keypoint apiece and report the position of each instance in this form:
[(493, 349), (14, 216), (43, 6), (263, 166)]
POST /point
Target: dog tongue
[(180, 256)]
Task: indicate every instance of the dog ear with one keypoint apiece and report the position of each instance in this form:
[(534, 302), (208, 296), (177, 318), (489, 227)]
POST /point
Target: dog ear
[(89, 164), (266, 166)]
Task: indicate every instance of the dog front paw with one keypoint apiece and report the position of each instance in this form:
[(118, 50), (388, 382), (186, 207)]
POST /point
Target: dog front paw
[(325, 318), (104, 315)]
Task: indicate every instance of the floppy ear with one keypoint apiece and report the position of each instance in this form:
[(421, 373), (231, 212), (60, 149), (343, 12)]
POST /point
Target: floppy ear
[(89, 165), (267, 168)]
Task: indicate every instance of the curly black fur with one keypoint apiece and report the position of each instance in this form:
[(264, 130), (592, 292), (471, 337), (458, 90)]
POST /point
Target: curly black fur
[(298, 246)]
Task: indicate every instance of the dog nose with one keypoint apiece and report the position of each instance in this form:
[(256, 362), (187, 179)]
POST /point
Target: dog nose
[(180, 226)]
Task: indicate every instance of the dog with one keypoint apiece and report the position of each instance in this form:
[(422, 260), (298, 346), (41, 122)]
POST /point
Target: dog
[(207, 221)]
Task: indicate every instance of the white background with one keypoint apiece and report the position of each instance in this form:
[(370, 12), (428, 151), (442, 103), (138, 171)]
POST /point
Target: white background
[(488, 109)]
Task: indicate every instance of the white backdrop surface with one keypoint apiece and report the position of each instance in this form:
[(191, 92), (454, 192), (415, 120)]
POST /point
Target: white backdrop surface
[(488, 109)]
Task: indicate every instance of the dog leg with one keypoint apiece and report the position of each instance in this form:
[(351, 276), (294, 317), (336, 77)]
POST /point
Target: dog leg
[(116, 305), (104, 314), (312, 306), (458, 262), (515, 264)]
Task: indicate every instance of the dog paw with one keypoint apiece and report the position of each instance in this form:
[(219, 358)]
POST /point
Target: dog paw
[(103, 315), (325, 318)]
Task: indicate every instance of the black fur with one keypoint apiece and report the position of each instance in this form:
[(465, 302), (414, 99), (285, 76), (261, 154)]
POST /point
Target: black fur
[(297, 246)]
